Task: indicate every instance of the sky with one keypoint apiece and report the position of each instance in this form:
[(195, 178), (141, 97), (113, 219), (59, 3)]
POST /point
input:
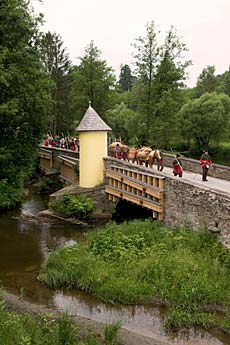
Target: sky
[(203, 25)]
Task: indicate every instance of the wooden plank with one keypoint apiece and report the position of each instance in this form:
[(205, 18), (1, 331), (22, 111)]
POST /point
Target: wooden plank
[(45, 155), (135, 171), (135, 177), (134, 198), (136, 185)]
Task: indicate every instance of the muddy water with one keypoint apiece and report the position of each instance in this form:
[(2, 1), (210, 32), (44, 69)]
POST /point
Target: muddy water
[(25, 246)]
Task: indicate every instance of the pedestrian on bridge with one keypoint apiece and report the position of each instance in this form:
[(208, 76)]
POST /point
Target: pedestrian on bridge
[(177, 166), (118, 151), (205, 162)]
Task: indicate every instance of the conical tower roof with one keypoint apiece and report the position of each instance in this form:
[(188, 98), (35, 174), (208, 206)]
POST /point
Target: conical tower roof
[(91, 121)]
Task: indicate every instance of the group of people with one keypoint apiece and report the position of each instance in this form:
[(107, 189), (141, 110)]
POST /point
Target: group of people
[(205, 162), (62, 142)]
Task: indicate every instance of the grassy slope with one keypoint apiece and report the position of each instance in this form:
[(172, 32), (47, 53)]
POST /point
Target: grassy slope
[(140, 262)]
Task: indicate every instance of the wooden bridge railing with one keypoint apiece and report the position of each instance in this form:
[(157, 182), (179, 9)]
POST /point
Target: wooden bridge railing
[(46, 159), (138, 187), (68, 167)]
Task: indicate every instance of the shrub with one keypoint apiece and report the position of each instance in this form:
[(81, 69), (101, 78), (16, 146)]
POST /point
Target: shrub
[(79, 206), (9, 195), (47, 185)]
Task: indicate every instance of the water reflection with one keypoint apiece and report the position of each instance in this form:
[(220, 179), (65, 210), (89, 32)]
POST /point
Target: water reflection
[(24, 246), (144, 320)]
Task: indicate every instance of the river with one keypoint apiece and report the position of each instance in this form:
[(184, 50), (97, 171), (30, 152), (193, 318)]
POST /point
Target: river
[(24, 247)]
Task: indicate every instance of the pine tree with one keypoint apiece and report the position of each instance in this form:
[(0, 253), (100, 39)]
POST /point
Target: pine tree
[(57, 64)]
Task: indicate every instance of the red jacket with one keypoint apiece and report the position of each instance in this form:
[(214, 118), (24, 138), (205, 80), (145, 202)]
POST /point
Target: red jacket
[(177, 167), (205, 160)]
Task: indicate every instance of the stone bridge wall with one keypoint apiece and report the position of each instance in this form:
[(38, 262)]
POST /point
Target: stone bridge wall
[(189, 164), (197, 208), (187, 204)]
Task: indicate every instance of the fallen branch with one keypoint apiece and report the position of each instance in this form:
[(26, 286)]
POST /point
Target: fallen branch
[(48, 213)]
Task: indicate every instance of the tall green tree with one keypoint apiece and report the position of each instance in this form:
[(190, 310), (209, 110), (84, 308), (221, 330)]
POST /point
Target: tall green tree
[(126, 79), (224, 82), (207, 81), (146, 58), (57, 64), (205, 120), (93, 80), (122, 120), (161, 71), (24, 96), (168, 86)]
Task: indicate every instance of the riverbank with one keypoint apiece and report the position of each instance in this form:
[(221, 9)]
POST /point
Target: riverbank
[(141, 262), (86, 326), (25, 246)]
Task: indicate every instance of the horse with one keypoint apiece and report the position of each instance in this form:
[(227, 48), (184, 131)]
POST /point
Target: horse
[(148, 156), (132, 152), (123, 147), (156, 155)]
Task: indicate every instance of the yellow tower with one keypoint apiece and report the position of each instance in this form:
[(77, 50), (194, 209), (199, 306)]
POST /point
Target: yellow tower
[(93, 147)]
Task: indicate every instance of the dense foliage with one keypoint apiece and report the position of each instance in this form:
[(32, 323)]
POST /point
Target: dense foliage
[(57, 64), (139, 262), (92, 81), (206, 119), (77, 206), (24, 97)]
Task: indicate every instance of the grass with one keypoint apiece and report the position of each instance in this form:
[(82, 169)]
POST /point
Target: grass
[(141, 262), (44, 329)]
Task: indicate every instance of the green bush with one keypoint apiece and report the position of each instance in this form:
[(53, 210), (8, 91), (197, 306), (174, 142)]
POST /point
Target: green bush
[(77, 206), (48, 185), (9, 195)]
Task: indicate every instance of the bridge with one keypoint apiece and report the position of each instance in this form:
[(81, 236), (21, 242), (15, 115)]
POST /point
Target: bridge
[(186, 201)]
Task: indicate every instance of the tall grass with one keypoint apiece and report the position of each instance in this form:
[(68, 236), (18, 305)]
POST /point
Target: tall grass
[(22, 329), (44, 329), (141, 261), (110, 333)]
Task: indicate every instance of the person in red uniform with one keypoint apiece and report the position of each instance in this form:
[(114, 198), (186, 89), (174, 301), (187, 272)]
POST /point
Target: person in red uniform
[(177, 166), (118, 152), (205, 162), (46, 142)]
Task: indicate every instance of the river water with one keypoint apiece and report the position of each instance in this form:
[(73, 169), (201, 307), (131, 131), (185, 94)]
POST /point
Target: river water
[(24, 247)]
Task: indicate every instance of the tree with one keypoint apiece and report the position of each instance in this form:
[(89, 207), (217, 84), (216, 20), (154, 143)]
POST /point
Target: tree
[(205, 119), (126, 78), (121, 120), (168, 86), (207, 81), (146, 59), (224, 81), (24, 94), (57, 64), (93, 80), (161, 72)]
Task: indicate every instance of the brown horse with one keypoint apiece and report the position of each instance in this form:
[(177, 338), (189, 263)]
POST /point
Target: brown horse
[(156, 155), (148, 156), (112, 149), (132, 152)]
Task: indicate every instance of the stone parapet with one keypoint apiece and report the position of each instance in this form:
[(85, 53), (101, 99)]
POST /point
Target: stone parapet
[(197, 208), (189, 164)]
